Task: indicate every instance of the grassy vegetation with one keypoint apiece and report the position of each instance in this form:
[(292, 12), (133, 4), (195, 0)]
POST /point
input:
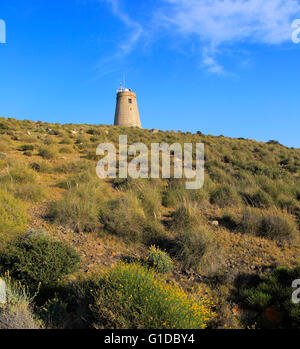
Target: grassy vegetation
[(245, 218), (13, 216), (17, 312)]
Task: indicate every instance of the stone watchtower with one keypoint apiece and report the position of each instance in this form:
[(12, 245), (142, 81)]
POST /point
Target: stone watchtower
[(127, 112)]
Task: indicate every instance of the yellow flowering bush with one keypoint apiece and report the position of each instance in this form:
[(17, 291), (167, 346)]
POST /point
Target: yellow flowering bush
[(134, 297)]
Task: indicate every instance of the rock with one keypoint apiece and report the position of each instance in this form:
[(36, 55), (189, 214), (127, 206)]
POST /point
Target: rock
[(36, 233), (2, 291), (215, 223), (273, 315), (154, 130)]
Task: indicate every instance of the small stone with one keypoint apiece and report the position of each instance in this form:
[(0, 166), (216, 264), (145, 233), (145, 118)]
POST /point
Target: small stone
[(2, 291), (215, 223)]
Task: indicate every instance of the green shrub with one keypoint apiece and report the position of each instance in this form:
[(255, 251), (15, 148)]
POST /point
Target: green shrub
[(276, 225), (125, 217), (91, 155), (93, 131), (185, 217), (257, 299), (3, 163), (149, 195), (250, 222), (229, 220), (4, 147), (273, 224), (26, 147), (79, 208), (257, 198), (48, 152), (29, 192), (225, 196), (50, 140), (193, 248), (19, 174), (36, 258), (74, 167), (41, 166), (54, 313), (27, 153), (175, 193), (132, 297), (159, 260), (274, 290), (66, 140), (291, 205), (66, 150), (13, 216)]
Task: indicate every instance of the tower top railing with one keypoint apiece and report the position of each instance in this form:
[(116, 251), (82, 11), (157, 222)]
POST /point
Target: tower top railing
[(122, 89)]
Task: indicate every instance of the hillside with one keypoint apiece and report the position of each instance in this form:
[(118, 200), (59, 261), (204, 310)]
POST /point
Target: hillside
[(223, 238)]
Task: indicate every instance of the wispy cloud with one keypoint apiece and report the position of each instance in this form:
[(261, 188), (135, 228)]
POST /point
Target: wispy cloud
[(134, 28), (216, 26), (217, 23), (110, 64)]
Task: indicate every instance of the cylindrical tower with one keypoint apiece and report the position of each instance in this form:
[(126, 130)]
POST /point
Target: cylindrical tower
[(127, 112)]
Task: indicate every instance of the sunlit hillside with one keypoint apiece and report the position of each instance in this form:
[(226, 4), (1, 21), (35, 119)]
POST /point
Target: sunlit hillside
[(124, 253)]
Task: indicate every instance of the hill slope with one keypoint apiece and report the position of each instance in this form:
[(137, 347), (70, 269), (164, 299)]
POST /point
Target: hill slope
[(243, 222)]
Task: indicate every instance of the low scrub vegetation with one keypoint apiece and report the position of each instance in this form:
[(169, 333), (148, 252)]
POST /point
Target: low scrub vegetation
[(48, 152), (37, 258), (18, 174), (17, 311), (126, 218), (13, 216), (272, 299), (272, 224), (133, 297), (225, 196), (79, 207), (159, 260)]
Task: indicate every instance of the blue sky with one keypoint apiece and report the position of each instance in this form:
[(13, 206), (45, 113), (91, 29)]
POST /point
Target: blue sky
[(222, 67)]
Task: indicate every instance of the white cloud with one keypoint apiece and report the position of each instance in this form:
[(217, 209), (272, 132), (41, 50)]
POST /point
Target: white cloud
[(134, 28), (216, 23), (219, 21)]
